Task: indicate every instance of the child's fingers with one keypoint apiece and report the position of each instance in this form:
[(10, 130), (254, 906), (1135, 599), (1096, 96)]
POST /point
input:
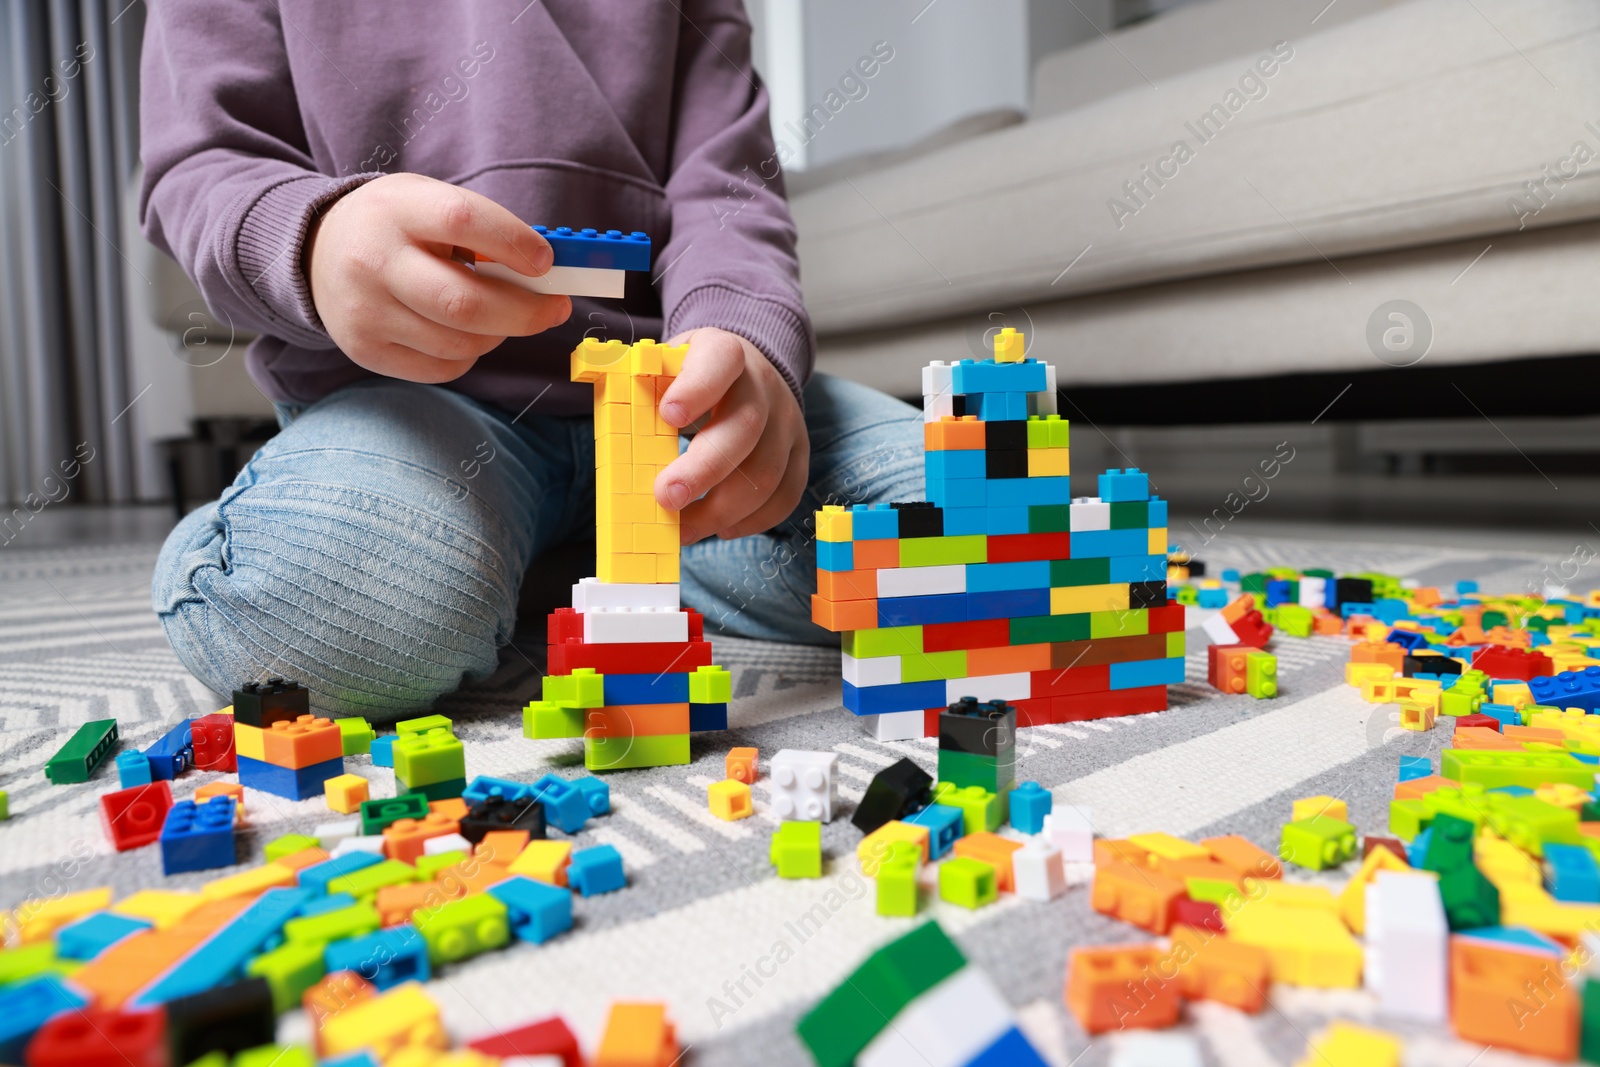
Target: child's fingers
[(733, 520), (406, 328), (714, 454), (397, 361), (452, 295), (714, 362), (455, 217)]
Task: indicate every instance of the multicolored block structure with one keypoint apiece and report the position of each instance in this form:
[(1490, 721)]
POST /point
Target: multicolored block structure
[(279, 746), (630, 670), (1002, 585)]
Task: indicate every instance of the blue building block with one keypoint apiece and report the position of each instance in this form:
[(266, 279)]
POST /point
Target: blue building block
[(595, 870), (1003, 520), (565, 806), (26, 1006), (1000, 407), (293, 784), (836, 555), (1419, 847), (1348, 609), (133, 768), (1022, 492), (1505, 713), (1278, 592), (1569, 689), (703, 717), (317, 876), (922, 610), (1139, 569), (173, 754), (960, 522), (221, 958), (1406, 639), (1030, 803), (537, 911), (382, 750), (874, 522), (354, 1059), (1213, 598), (482, 787), (385, 958), (1389, 611), (1007, 604), (596, 793), (883, 699), (197, 837), (1518, 936), (660, 688), (1466, 587), (1122, 486), (1571, 873), (956, 463), (1092, 544), (610, 250), (972, 376), (88, 937), (944, 827), (1141, 673), (1157, 513), (1413, 767), (1010, 1049), (959, 492), (1230, 574), (993, 577), (1518, 791)]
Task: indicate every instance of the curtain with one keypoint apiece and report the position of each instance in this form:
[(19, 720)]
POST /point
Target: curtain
[(69, 423)]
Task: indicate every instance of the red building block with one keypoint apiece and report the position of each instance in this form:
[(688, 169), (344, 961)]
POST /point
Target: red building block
[(1201, 913), (1071, 682), (1168, 619), (1110, 705), (1519, 663), (91, 1037), (960, 636), (132, 818), (638, 658), (1020, 548), (549, 1037), (213, 743), (1252, 629), (1487, 721)]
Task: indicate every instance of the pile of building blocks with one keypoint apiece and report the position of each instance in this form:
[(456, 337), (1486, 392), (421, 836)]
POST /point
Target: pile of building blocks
[(1001, 585), (630, 670), (587, 262)]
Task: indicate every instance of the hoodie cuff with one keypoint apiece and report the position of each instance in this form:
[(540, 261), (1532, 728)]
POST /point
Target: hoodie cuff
[(781, 332)]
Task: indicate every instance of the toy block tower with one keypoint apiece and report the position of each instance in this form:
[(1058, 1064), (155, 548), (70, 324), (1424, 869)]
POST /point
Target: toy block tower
[(630, 670), (280, 747), (428, 759), (1001, 585)]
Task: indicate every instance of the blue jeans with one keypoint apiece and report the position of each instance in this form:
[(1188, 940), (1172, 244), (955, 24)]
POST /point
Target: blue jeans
[(373, 550)]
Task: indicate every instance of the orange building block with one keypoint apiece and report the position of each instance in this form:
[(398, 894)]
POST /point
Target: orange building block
[(1421, 787), (964, 431), (303, 742), (299, 861), (404, 839), (1483, 737), (1239, 607), (1141, 897), (1195, 867), (1116, 987), (1390, 655), (450, 807), (1324, 621), (1119, 850), (838, 616), (879, 554), (995, 851), (1227, 667), (331, 995), (139, 959), (1243, 855), (501, 846), (636, 720), (840, 586), (1512, 999), (223, 789), (1211, 967), (471, 876), (1007, 659), (395, 903), (637, 1035), (1520, 734), (742, 765)]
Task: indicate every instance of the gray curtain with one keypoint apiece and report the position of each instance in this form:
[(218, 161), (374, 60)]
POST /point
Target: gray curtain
[(68, 145)]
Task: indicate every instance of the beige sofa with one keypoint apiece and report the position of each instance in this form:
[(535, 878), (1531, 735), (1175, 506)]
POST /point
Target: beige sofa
[(1439, 152)]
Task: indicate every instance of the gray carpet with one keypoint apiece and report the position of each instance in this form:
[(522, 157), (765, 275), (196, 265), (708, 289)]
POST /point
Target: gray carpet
[(703, 914)]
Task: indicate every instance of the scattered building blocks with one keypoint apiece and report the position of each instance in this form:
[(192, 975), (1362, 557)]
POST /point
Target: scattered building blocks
[(1037, 870), (88, 747), (1318, 842), (227, 1018), (1030, 805), (133, 769)]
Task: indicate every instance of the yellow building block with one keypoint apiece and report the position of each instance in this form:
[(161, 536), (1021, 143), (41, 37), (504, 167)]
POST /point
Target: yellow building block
[(1396, 689), (637, 1035), (249, 741), (1353, 898), (1357, 674), (163, 907), (1156, 543), (1562, 795), (1305, 946), (834, 523), (1009, 346), (1517, 694), (626, 567), (1344, 1044), (345, 793), (1280, 894), (612, 449), (875, 847), (1416, 717), (254, 882), (730, 800), (667, 568), (656, 538), (37, 919), (1080, 599), (1169, 847), (1503, 863), (544, 861), (1333, 807), (417, 1056), (1050, 463), (1522, 904), (403, 1016)]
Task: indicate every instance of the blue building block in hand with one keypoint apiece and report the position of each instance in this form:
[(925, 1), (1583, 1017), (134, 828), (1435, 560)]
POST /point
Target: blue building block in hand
[(198, 837), (1413, 767), (537, 911), (1030, 803), (133, 768), (596, 870), (1122, 486), (610, 250)]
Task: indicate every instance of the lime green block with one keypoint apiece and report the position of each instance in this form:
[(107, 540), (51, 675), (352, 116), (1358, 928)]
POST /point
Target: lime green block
[(1492, 769), (897, 880), (1050, 629), (423, 725), (1186, 594), (886, 641), (357, 735), (288, 845), (583, 688), (980, 809), (213, 1059), (1175, 645), (602, 754), (1530, 823), (5, 805), (544, 721), (943, 551), (333, 926), (710, 685), (290, 970), (1133, 622), (275, 1056), (967, 882), (1317, 843), (1460, 700), (27, 961), (931, 666), (1210, 890), (425, 758), (367, 881), (429, 865), (463, 928), (1064, 572), (796, 850), (1038, 433), (1295, 620)]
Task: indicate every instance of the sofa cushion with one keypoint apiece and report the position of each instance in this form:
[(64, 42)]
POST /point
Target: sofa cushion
[(1420, 124)]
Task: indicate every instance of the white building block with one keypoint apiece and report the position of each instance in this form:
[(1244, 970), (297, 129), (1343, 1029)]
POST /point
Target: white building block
[(945, 1027), (1313, 592), (593, 593), (1088, 513), (870, 670), (1143, 1048), (938, 399), (893, 726), (1071, 829), (1045, 403), (619, 626), (922, 581), (329, 834), (1218, 630), (436, 846), (990, 687), (805, 785), (935, 408), (1038, 870), (567, 281), (371, 843), (1408, 946)]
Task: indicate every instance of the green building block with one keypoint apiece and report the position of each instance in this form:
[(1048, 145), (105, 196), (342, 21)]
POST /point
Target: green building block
[(923, 667), (583, 688), (290, 970), (968, 882), (423, 725), (76, 760), (1530, 823), (1449, 844), (602, 754), (1187, 595), (288, 845), (1295, 620), (885, 641), (1459, 700), (796, 850), (544, 721), (943, 551), (1069, 572), (275, 1056), (1210, 890), (357, 735), (1177, 647), (980, 809), (1470, 899), (861, 1007), (430, 864), (1043, 629), (376, 815), (26, 961), (1492, 769), (1134, 622), (1408, 818), (994, 774), (1261, 675), (425, 758), (5, 806), (1049, 518), (1318, 843), (1255, 582), (331, 926), (897, 880), (710, 685), (1589, 1026), (366, 882), (1130, 515), (463, 928), (445, 790), (1051, 431)]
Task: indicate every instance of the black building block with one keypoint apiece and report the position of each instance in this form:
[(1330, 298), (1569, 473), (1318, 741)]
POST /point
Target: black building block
[(1005, 435), (1147, 594), (1005, 463), (498, 813), (988, 729), (227, 1019), (1350, 591), (920, 519), (260, 704), (1197, 568), (895, 792), (1415, 665)]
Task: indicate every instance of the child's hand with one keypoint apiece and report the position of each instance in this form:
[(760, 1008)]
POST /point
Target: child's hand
[(751, 457), (395, 301)]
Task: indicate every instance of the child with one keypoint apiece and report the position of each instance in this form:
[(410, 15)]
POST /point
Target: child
[(323, 171)]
